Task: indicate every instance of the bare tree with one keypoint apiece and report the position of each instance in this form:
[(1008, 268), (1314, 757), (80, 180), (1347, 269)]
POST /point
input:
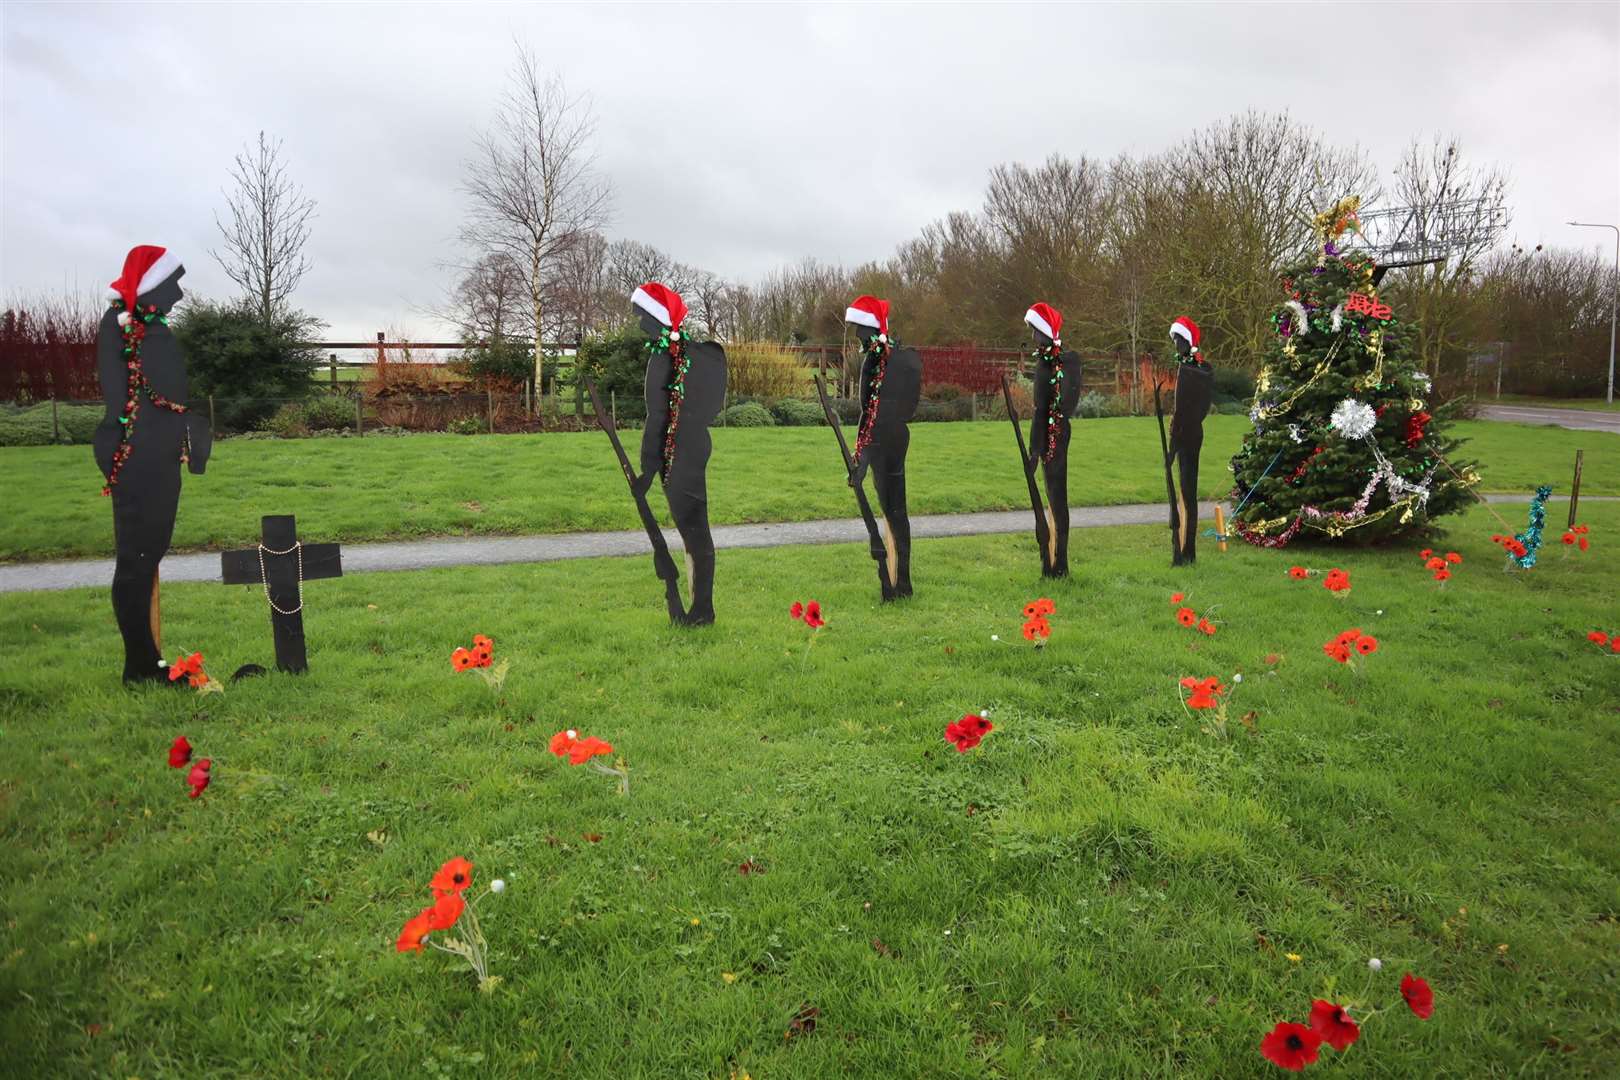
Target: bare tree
[(489, 301), (532, 184), (264, 242)]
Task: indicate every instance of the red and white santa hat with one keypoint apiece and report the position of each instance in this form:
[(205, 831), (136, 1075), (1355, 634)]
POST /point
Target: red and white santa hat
[(145, 268), (1185, 327), (662, 303), (870, 311), (1047, 319)]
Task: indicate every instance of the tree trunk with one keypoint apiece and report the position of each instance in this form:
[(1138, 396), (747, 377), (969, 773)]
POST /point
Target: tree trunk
[(539, 355)]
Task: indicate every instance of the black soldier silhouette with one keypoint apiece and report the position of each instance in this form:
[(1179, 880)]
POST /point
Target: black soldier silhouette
[(890, 387), (1057, 394), (1195, 388)]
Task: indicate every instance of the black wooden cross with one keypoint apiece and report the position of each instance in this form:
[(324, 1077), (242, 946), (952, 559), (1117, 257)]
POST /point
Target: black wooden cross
[(282, 563)]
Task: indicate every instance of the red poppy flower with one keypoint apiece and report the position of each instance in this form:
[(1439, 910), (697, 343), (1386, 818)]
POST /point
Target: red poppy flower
[(1496, 538), (1596, 636), (1419, 998), (1338, 651), (797, 610), (966, 733), (184, 666), (198, 777), (1425, 553), (1044, 607), (1583, 529), (1366, 645), (1333, 1024), (1207, 627), (1037, 628), (587, 748), (1347, 637), (1614, 642), (1585, 543), (1436, 563), (1031, 611), (563, 741), (1298, 573), (461, 659), (1442, 575), (1569, 539), (416, 931), (1187, 617), (1336, 580), (179, 752), (1453, 558), (453, 876), (1291, 1046), (812, 615), (1203, 692), (480, 639), (1176, 598), (445, 911)]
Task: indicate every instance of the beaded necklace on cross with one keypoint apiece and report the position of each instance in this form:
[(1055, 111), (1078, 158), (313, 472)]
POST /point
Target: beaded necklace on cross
[(672, 342), (878, 350), (134, 331), (1053, 354)]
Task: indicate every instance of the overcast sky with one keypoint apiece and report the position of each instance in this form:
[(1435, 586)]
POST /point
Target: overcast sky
[(737, 138)]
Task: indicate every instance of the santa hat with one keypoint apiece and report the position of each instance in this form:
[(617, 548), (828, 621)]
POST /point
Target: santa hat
[(145, 268), (869, 311), (1185, 327), (1047, 319), (662, 303)]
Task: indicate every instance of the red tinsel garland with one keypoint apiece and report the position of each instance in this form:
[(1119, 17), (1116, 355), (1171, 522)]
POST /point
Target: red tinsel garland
[(1054, 403), (134, 331), (879, 351), (679, 364)]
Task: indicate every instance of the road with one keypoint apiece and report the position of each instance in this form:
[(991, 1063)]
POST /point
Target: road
[(1576, 419)]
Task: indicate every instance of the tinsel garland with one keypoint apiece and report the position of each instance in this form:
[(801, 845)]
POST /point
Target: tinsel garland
[(1341, 521), (1053, 355), (1414, 428), (134, 331), (672, 342), (1531, 537), (878, 351)]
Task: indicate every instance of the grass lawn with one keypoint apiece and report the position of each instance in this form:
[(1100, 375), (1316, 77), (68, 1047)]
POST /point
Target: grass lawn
[(1100, 889), (429, 485), (1592, 404)]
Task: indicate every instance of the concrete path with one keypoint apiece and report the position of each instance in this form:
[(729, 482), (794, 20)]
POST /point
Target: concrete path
[(1577, 419), (496, 550)]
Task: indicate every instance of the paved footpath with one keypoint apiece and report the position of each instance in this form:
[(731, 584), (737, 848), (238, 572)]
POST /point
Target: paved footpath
[(1575, 419), (497, 550)]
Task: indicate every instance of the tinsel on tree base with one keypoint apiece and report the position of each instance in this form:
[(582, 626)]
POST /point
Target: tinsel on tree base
[(1345, 445)]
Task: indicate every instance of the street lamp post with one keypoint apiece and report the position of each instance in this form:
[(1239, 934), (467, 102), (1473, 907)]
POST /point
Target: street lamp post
[(1614, 304)]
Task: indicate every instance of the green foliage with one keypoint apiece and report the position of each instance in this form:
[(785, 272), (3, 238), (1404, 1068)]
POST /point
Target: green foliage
[(504, 364), (328, 412), (1308, 372), (618, 365), (1120, 890), (32, 426), (467, 425), (746, 415), (1092, 406), (1233, 384), (249, 366), (797, 412), (286, 422)]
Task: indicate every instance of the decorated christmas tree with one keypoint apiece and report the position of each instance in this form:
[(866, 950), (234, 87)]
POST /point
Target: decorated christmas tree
[(1346, 444)]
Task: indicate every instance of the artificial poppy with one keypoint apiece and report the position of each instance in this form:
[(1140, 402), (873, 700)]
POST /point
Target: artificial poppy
[(1442, 575), (415, 932), (1336, 580), (1187, 617), (1569, 539), (185, 666), (1597, 636), (1298, 573), (1291, 1046), (797, 610), (1453, 557), (1031, 610), (812, 615), (563, 741), (1585, 543), (1419, 998), (179, 752), (1614, 642), (1338, 651), (461, 659), (453, 876), (1037, 628), (482, 642), (587, 748), (1347, 637), (979, 725), (962, 735), (1176, 598), (197, 779), (1207, 627), (1366, 645), (481, 657), (1044, 607), (1425, 553), (1203, 692), (445, 911), (1436, 563), (1333, 1024)]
